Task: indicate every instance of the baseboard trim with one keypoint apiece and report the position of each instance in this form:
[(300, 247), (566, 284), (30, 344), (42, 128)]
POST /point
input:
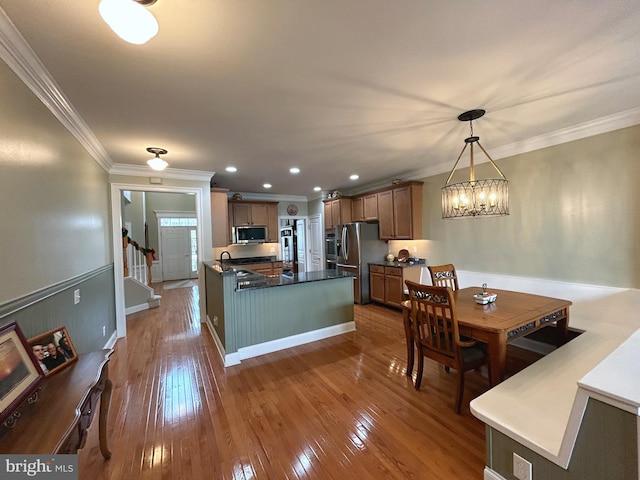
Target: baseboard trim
[(282, 343), (136, 308)]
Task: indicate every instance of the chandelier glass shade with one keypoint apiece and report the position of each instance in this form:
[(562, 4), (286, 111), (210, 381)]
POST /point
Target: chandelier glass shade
[(475, 198)]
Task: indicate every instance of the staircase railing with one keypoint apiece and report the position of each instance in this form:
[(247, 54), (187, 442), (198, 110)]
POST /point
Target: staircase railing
[(137, 259)]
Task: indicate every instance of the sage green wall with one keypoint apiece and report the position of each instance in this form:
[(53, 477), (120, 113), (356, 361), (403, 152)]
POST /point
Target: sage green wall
[(54, 223), (133, 212), (574, 215)]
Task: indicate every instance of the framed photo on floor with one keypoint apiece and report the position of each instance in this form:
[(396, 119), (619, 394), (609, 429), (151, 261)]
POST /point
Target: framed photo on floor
[(53, 350), (20, 374)]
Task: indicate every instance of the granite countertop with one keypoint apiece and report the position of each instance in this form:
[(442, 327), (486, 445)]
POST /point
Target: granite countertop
[(396, 263), (247, 279)]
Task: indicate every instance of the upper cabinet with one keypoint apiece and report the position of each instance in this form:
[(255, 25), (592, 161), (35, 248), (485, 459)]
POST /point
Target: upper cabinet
[(256, 214), (337, 211), (397, 209), (219, 218), (400, 211)]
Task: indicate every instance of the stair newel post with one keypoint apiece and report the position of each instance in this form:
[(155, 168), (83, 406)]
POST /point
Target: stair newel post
[(125, 244), (149, 259)]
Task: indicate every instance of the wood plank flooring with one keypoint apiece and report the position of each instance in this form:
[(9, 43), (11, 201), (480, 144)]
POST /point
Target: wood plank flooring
[(334, 409)]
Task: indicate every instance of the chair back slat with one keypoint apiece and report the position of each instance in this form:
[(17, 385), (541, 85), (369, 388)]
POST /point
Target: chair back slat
[(433, 313), (444, 276)]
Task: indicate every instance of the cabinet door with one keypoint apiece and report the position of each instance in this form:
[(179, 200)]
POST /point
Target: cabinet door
[(241, 214), (370, 207), (259, 214), (219, 218), (376, 286), (402, 214), (335, 212), (277, 268), (385, 215), (357, 212), (328, 220), (394, 294), (273, 232)]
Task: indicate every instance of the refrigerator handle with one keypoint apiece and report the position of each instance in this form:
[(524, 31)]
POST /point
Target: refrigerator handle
[(345, 246)]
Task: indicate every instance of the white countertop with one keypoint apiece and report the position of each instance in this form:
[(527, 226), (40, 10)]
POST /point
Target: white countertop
[(542, 406)]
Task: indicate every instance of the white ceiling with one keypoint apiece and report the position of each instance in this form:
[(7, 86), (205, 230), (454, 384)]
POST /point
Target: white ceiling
[(336, 87)]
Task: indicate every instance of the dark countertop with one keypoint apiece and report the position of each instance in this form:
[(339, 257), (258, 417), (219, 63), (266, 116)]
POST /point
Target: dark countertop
[(248, 260), (266, 281), (247, 279), (396, 263)]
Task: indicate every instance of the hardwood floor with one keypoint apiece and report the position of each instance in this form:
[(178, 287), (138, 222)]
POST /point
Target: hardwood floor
[(334, 409)]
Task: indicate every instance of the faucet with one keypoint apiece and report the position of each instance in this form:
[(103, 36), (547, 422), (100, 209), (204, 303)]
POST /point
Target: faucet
[(228, 254)]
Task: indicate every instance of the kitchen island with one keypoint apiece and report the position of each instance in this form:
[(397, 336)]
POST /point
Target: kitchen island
[(250, 314)]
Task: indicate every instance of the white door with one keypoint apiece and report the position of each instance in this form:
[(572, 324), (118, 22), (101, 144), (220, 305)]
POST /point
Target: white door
[(301, 232), (176, 253), (314, 243)]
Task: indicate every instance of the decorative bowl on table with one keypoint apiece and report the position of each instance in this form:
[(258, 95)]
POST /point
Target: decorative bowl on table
[(485, 297)]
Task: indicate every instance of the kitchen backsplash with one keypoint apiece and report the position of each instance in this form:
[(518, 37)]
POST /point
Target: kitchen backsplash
[(241, 251)]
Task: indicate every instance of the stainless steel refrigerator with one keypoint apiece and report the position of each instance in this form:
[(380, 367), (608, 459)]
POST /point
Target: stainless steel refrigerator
[(359, 245)]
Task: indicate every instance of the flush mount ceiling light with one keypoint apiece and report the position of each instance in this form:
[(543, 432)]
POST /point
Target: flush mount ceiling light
[(475, 198), (156, 162), (129, 19)]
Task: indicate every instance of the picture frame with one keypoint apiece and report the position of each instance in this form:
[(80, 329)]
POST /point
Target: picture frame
[(20, 374), (53, 350)]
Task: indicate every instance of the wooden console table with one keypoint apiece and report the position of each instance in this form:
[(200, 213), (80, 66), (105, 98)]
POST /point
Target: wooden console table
[(58, 421)]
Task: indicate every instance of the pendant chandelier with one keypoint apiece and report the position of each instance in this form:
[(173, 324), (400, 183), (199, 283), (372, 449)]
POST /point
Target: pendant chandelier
[(475, 198)]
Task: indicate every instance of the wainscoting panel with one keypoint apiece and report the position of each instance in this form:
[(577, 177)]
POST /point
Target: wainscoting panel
[(90, 323)]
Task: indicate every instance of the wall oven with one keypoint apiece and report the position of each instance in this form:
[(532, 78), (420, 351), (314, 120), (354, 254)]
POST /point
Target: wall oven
[(331, 250)]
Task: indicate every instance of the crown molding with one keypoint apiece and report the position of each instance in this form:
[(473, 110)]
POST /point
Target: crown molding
[(610, 123), (269, 197), (18, 55), (170, 173)]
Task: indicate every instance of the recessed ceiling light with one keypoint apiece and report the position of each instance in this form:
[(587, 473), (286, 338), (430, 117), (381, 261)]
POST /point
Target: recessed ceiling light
[(294, 170), (317, 189), (267, 185), (231, 169), (354, 177)]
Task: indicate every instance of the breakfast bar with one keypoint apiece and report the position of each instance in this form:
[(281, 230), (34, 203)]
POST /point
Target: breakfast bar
[(250, 314)]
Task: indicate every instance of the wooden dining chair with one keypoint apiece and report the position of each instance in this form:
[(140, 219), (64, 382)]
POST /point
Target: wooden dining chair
[(444, 276), (436, 335)]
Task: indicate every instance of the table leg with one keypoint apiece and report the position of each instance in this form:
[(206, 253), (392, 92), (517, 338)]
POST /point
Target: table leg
[(105, 400), (497, 358), (408, 334), (563, 328)]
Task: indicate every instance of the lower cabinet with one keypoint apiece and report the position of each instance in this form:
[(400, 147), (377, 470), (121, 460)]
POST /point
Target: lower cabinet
[(267, 268), (386, 285)]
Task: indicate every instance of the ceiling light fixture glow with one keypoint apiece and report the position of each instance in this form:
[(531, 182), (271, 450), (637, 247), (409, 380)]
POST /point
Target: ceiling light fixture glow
[(156, 162), (354, 177), (231, 169), (267, 185), (294, 170), (317, 189), (129, 19)]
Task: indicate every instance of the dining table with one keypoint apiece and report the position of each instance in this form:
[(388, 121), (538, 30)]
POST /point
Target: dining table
[(510, 316)]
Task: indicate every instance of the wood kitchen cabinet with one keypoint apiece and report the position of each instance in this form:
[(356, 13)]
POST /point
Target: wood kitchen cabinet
[(337, 211), (364, 208), (219, 217), (267, 268), (400, 212), (370, 207), (258, 214), (386, 285), (357, 209)]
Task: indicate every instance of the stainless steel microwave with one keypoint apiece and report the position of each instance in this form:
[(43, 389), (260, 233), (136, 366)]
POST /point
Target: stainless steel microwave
[(248, 235)]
